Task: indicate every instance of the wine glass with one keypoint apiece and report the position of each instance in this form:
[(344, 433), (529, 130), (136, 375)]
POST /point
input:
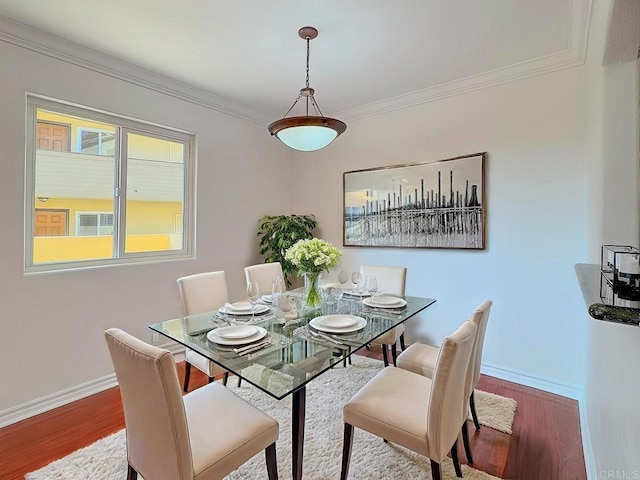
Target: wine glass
[(253, 294), (371, 284), (355, 279), (277, 289)]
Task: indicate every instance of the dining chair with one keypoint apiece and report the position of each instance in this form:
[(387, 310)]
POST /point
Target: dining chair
[(391, 281), (414, 411), (421, 358), (204, 435), (263, 274), (200, 293)]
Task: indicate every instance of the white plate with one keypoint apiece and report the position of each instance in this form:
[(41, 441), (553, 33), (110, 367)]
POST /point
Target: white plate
[(239, 306), (384, 301), (215, 338), (267, 298), (359, 325), (336, 321), (230, 311), (355, 293), (236, 331)]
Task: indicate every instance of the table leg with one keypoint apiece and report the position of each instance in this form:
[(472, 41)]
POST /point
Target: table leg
[(297, 431)]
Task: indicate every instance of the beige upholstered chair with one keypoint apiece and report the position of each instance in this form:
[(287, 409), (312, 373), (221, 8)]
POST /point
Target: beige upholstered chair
[(263, 274), (200, 293), (391, 281), (420, 358), (414, 411), (204, 435)]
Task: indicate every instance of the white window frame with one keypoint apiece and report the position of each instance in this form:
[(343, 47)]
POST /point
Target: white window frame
[(93, 130), (124, 125), (98, 215)]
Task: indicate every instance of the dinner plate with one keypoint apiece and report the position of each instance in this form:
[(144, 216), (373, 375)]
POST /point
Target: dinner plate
[(239, 306), (384, 301), (231, 311), (356, 293), (336, 321), (236, 331), (215, 338), (267, 298), (359, 324)]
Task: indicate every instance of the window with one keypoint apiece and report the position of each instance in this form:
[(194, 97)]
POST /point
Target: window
[(123, 185), (94, 224), (97, 142)]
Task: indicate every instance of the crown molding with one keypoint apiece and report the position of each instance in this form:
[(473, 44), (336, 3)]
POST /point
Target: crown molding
[(574, 55), (52, 46), (64, 50)]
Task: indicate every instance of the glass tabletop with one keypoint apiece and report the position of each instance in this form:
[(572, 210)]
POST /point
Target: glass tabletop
[(300, 349)]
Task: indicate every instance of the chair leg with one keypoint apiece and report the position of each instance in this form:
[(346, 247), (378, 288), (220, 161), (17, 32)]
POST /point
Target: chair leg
[(187, 374), (472, 404), (225, 378), (465, 440), (239, 381), (131, 473), (272, 464), (384, 355), (347, 443), (394, 354), (456, 462), (436, 471), (402, 344)]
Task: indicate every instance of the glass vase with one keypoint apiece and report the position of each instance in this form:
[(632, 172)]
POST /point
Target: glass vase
[(312, 290)]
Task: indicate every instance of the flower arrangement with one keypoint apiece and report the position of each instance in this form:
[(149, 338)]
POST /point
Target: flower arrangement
[(312, 257)]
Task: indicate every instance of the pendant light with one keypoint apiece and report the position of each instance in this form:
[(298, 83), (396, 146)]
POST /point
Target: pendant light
[(309, 132)]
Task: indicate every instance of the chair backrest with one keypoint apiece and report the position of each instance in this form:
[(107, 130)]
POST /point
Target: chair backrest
[(203, 292), (448, 391), (480, 317), (391, 280), (158, 444), (262, 274)]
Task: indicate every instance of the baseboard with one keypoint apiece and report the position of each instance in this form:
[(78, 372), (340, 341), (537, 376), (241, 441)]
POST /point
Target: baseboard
[(541, 383), (63, 397), (587, 446)]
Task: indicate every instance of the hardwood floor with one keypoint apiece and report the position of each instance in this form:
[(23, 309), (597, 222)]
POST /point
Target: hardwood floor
[(545, 445)]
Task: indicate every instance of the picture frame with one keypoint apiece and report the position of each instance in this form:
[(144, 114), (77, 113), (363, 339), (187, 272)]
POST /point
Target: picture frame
[(439, 204)]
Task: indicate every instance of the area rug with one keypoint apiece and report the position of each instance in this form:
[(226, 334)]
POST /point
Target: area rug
[(371, 457)]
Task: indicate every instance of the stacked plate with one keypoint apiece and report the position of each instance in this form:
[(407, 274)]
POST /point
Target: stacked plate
[(384, 301), (338, 323), (267, 298), (243, 308), (236, 335)]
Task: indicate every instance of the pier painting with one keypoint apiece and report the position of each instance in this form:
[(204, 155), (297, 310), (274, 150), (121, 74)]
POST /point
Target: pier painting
[(426, 205)]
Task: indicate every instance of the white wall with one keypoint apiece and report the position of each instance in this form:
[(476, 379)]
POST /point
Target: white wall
[(612, 387), (536, 134), (52, 325)]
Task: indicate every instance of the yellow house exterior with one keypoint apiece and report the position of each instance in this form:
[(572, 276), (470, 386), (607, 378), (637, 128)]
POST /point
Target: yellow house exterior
[(75, 179)]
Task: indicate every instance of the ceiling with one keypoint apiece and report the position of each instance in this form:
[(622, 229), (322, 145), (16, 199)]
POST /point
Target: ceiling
[(369, 56)]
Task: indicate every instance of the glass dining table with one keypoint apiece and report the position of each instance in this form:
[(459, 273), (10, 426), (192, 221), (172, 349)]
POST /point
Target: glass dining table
[(291, 351)]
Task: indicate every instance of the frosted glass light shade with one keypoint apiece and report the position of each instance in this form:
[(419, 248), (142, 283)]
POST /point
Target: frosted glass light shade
[(307, 134), (307, 139)]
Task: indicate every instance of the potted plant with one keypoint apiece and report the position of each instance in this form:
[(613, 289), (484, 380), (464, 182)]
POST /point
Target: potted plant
[(278, 233)]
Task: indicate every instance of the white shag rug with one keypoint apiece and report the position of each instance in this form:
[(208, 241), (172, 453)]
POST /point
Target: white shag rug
[(370, 458)]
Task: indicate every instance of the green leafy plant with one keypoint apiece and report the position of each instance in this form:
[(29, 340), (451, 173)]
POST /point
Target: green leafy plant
[(278, 233)]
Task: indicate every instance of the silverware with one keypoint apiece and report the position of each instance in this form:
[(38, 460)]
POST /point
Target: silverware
[(252, 348), (324, 336)]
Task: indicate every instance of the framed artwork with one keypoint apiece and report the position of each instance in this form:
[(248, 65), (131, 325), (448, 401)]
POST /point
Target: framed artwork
[(424, 205)]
